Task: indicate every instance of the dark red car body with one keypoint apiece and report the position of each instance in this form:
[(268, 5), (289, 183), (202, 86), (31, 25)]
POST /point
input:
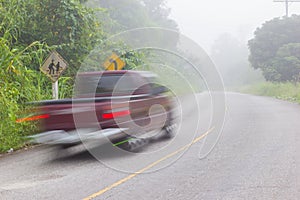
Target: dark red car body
[(109, 100)]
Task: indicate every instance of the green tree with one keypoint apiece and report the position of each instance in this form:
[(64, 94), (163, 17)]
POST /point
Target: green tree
[(287, 63), (268, 50), (66, 25), (126, 14), (159, 12), (123, 15)]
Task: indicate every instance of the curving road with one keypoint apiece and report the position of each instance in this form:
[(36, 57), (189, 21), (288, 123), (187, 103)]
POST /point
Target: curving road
[(257, 157)]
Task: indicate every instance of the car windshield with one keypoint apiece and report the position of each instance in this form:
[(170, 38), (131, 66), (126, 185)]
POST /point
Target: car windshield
[(106, 84)]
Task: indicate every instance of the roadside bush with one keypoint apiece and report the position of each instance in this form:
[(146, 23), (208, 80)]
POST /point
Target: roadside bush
[(285, 91), (18, 85)]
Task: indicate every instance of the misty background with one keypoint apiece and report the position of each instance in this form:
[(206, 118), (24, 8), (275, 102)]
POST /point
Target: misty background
[(223, 28)]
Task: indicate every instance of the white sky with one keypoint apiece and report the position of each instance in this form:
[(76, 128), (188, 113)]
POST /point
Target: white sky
[(204, 20)]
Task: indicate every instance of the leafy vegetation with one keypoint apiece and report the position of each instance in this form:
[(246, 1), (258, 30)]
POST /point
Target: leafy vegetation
[(133, 14), (31, 29), (275, 49), (17, 85), (285, 91)]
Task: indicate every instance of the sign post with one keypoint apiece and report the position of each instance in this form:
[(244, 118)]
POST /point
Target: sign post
[(55, 90), (53, 67), (287, 5)]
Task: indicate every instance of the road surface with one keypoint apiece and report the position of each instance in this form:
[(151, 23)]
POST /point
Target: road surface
[(257, 157)]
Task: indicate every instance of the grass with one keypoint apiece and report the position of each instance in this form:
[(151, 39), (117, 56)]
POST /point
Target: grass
[(285, 91), (18, 85)]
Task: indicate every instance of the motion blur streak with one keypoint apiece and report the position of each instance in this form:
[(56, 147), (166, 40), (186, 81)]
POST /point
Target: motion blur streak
[(149, 166), (33, 118)]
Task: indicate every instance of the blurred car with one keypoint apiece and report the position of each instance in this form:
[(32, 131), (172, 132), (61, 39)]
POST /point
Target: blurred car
[(114, 105)]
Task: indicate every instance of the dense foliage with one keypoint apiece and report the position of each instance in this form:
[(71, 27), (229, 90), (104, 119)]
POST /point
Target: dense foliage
[(275, 49), (17, 85), (124, 15), (134, 14), (30, 29)]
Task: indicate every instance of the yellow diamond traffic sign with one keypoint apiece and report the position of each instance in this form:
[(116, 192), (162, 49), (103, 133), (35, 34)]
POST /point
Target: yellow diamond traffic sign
[(114, 62), (54, 66)]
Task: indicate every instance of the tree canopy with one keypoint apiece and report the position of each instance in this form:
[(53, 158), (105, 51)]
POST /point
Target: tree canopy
[(275, 49), (67, 26), (135, 13)]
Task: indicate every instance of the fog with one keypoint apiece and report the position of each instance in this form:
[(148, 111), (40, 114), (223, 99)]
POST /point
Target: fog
[(204, 21), (223, 28)]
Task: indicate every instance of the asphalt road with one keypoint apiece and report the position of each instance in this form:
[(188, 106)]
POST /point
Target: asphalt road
[(257, 157)]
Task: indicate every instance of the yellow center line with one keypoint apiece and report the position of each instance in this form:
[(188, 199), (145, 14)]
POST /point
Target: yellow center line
[(147, 167)]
